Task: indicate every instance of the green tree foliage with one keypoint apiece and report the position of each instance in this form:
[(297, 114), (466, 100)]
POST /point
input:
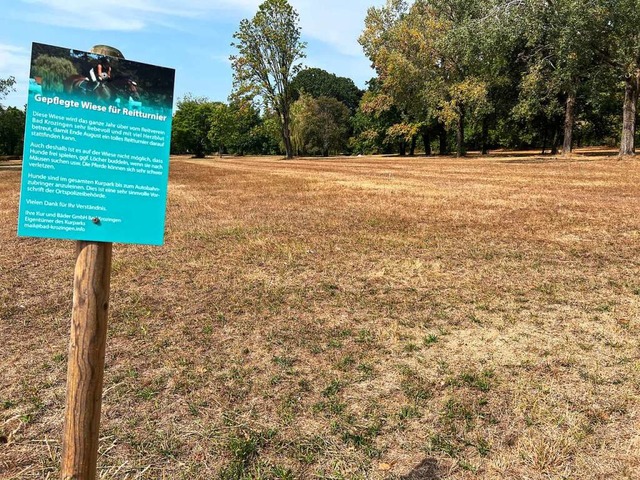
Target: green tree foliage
[(428, 59), (250, 136), (7, 85), (371, 123), (319, 125), (191, 125), (619, 48), (237, 128), (320, 83), (269, 49), (559, 62), (223, 130), (201, 127), (265, 137), (53, 71), (509, 72), (12, 121)]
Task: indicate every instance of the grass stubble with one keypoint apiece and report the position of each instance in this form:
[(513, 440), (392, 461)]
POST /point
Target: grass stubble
[(348, 318)]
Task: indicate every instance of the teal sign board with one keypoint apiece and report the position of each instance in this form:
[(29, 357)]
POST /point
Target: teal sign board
[(96, 149)]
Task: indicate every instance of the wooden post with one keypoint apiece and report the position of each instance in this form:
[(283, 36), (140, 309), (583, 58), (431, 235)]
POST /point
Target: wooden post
[(86, 360), (85, 371)]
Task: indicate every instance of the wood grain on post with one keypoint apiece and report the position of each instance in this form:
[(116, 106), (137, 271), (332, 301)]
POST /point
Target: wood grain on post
[(86, 360), (85, 371)]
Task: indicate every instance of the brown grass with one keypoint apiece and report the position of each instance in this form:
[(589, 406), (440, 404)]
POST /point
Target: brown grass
[(378, 318)]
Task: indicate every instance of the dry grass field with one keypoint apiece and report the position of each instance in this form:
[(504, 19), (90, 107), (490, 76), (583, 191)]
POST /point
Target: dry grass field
[(348, 318)]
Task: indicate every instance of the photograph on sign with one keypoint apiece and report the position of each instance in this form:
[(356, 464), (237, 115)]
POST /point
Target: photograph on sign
[(96, 150)]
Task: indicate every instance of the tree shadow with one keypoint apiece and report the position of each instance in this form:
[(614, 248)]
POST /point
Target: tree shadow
[(549, 160), (427, 470)]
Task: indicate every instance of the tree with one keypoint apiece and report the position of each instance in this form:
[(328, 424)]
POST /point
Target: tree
[(372, 122), (269, 48), (619, 48), (249, 137), (12, 121), (320, 83), (319, 125), (191, 125), (400, 57), (560, 58), (428, 58), (222, 127), (238, 128), (7, 85)]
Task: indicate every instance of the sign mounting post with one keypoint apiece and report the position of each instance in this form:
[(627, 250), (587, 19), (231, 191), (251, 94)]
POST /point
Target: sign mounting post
[(95, 170), (87, 345)]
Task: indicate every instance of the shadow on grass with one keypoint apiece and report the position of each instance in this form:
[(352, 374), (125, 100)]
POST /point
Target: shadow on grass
[(549, 160), (427, 470)]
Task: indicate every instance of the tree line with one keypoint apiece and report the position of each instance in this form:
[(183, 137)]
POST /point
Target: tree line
[(451, 75)]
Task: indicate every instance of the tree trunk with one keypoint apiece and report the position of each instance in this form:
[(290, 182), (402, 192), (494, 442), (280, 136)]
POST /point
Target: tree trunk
[(554, 145), (443, 150), (544, 141), (426, 139), (403, 148), (286, 134), (460, 136), (412, 148), (569, 121), (485, 136), (627, 142)]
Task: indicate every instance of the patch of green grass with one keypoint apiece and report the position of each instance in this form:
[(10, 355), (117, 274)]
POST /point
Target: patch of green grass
[(207, 329), (407, 412), (366, 370), (331, 407), (467, 466), (330, 288), (359, 436), (333, 388), (59, 357), (478, 380), (284, 361), (364, 336), (346, 363), (444, 444), (193, 409), (483, 447), (605, 307), (146, 393), (245, 449), (430, 339), (26, 418)]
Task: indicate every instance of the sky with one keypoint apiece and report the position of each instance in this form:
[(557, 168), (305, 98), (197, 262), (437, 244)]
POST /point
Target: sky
[(192, 36)]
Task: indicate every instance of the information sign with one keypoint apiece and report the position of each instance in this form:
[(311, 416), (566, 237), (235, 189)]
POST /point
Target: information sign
[(96, 150)]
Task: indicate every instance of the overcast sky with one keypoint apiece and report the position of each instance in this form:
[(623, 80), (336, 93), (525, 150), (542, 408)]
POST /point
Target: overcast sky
[(192, 36)]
